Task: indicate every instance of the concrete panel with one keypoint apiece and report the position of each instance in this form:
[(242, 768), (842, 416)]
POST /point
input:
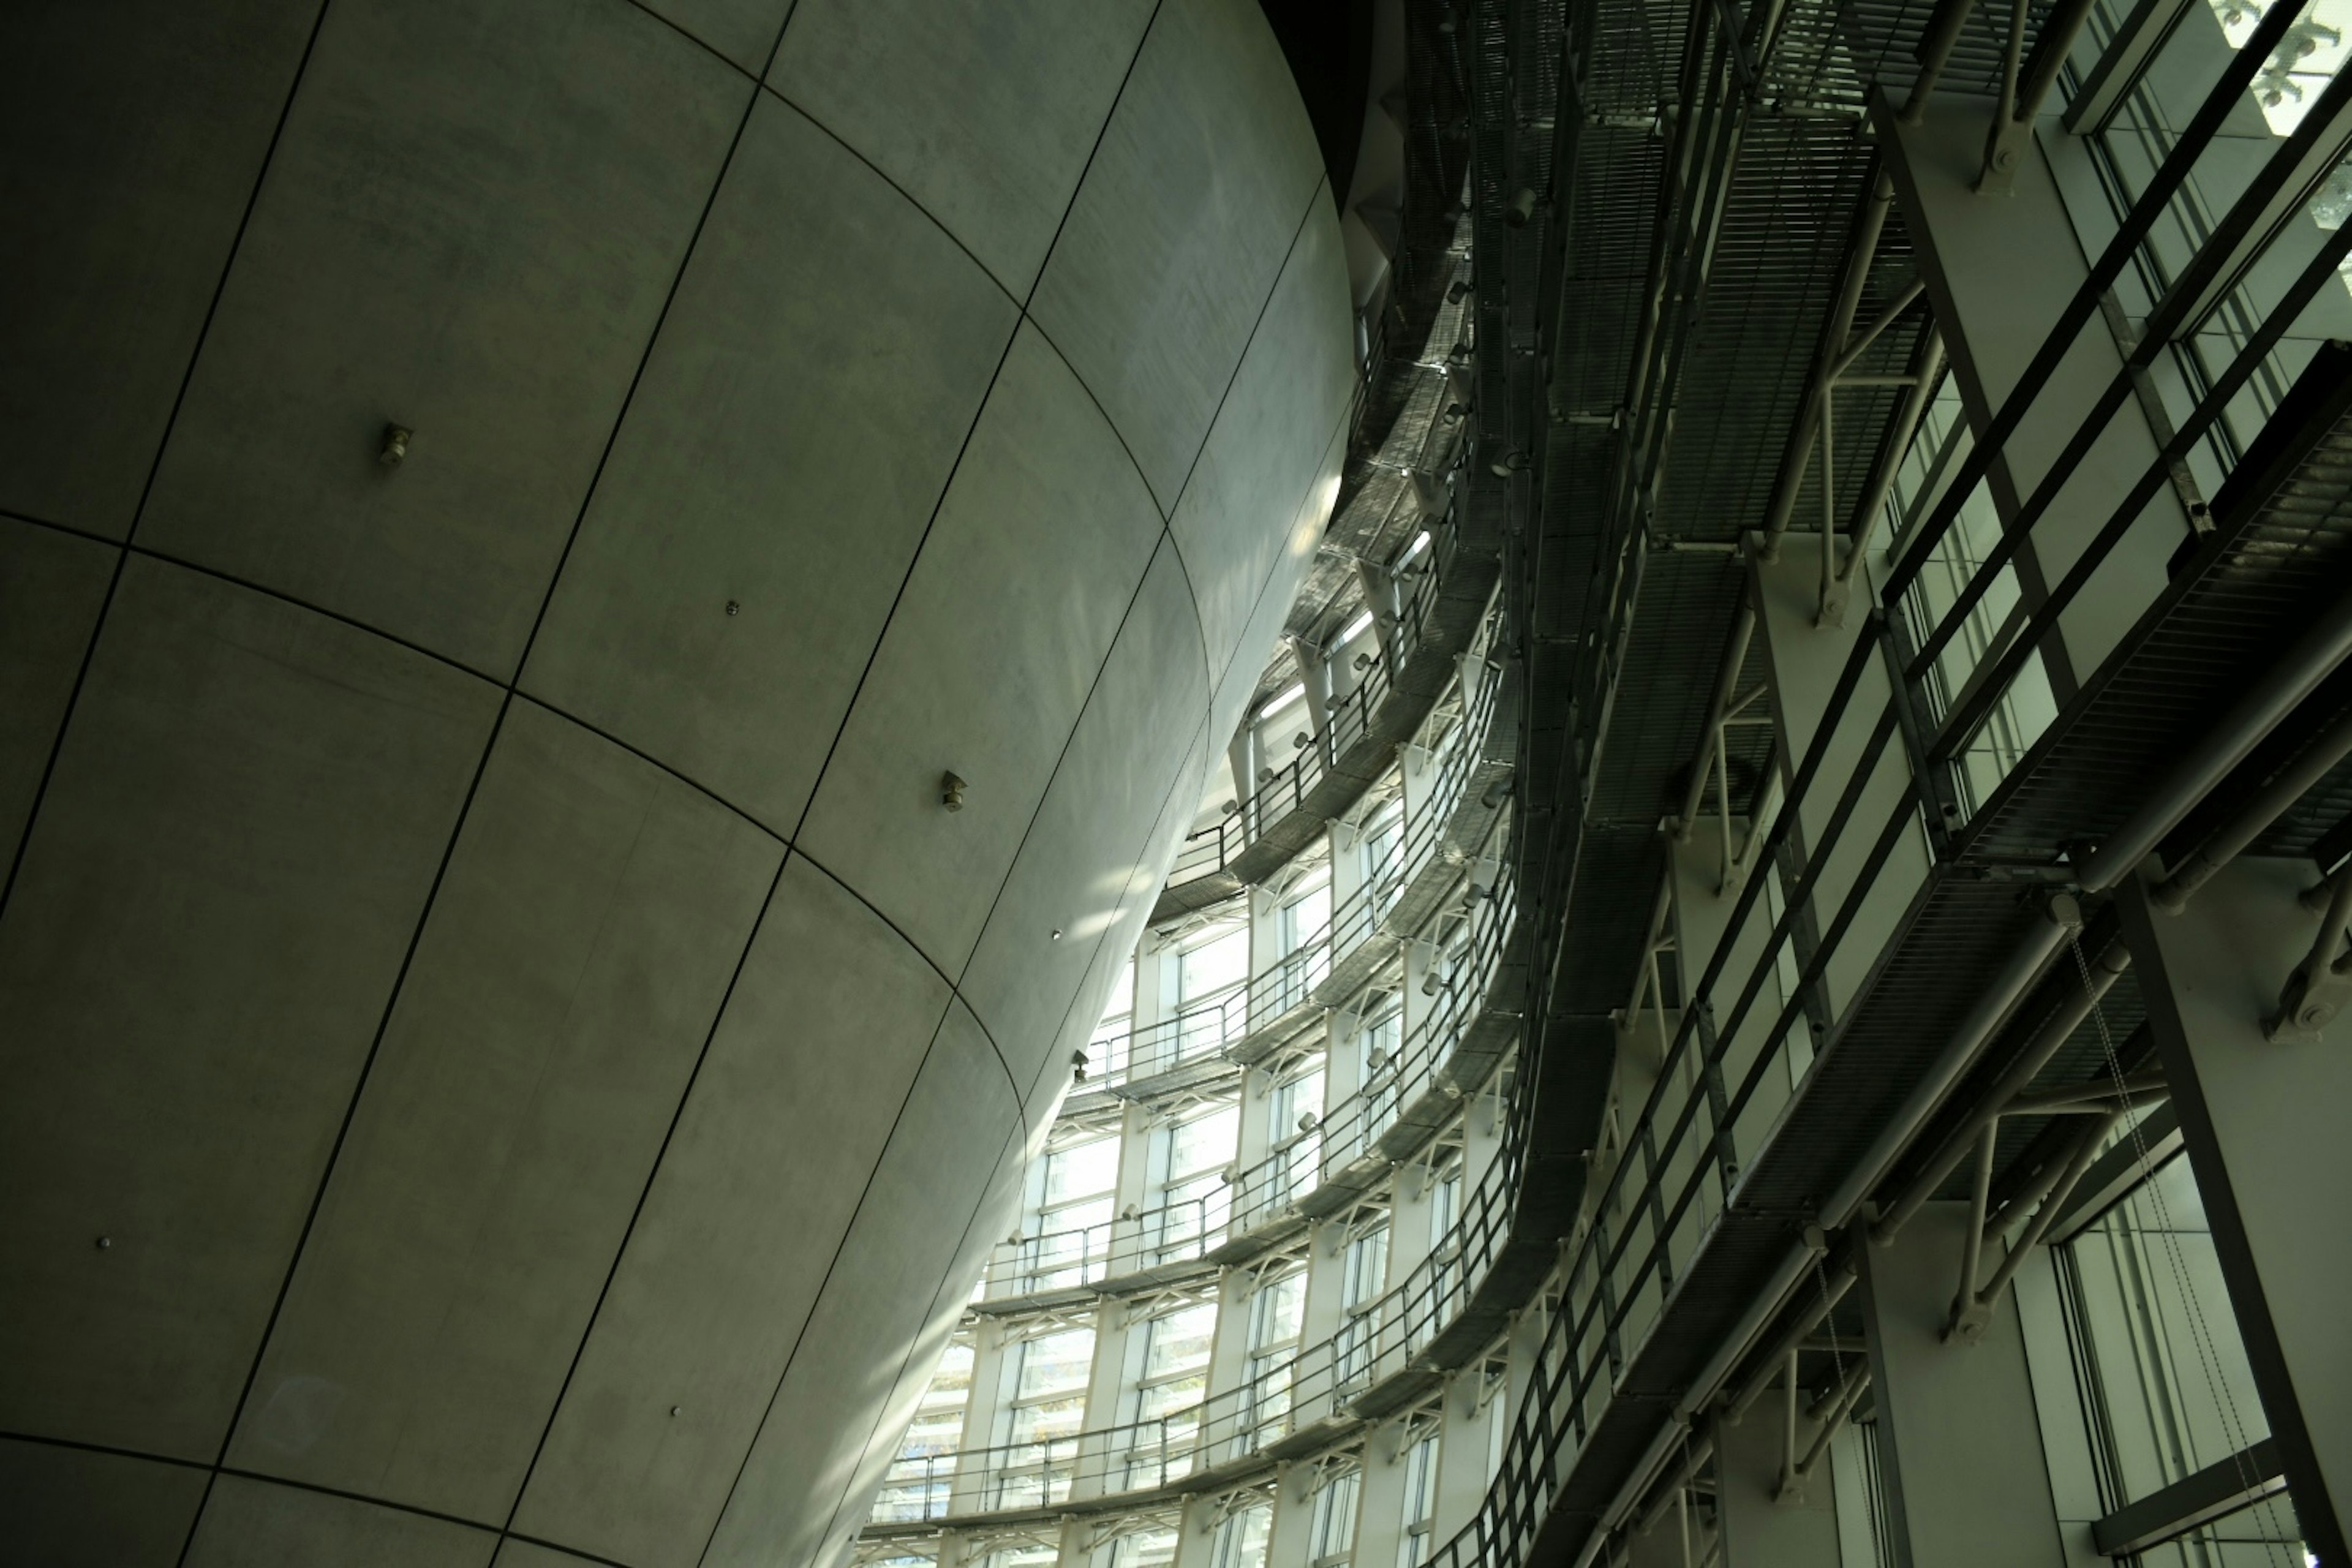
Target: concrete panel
[(260, 1524), (1020, 588), (1999, 274), (579, 949), (1261, 462), (2263, 1123), (52, 586), (1244, 659), (984, 114), (826, 355), (1074, 868), (805, 1079), (513, 1554), (1760, 1529), (72, 1508), (1179, 230), (999, 1204), (1955, 1422), (238, 841), (884, 1293), (135, 130), (1054, 1077), (468, 228), (744, 31)]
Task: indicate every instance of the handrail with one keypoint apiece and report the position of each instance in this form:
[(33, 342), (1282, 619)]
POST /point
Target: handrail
[(1268, 1191), (1961, 687), (1208, 851), (1215, 1024), (1378, 1340)]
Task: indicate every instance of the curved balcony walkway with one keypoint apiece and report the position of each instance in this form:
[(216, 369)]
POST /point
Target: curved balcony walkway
[(1451, 1053), (1437, 624), (1393, 1353)]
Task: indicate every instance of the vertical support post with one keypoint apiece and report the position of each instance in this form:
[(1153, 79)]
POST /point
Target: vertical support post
[(1463, 1445), (990, 1370), (1381, 597), (1803, 661), (1240, 756), (1196, 1531), (1379, 1497), (2263, 1123), (1315, 674), (1762, 1525), (1959, 1438), (1997, 274), (1294, 1512)]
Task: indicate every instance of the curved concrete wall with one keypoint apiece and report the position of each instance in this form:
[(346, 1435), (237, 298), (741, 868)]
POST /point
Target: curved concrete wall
[(505, 1055)]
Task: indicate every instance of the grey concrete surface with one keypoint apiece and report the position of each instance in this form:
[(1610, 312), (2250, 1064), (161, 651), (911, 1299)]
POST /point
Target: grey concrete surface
[(250, 1524), (1126, 294), (490, 961), (1238, 679), (743, 32), (135, 129), (1082, 848), (880, 1295), (246, 813), (571, 968), (1261, 457), (1955, 1423), (985, 115), (828, 1025), (74, 1507), (2264, 1122), (1049, 525), (52, 585), (795, 427), (468, 229)]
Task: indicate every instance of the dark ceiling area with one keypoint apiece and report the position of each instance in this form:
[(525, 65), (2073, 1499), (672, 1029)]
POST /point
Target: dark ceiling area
[(1328, 44)]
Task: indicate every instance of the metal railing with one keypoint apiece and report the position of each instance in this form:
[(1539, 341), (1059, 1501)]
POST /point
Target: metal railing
[(1216, 1024), (1209, 849), (1267, 1191), (1975, 643), (1378, 1340), (1663, 1189)]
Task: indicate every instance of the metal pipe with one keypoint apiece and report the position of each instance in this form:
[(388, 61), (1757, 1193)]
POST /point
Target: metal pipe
[(1725, 685), (1789, 1423), (1935, 52), (1869, 223), (1833, 1422), (1887, 318), (1979, 1196), (2089, 1093), (2012, 57), (1693, 1462), (2312, 658), (2087, 1144), (1841, 1280), (2076, 1006), (2051, 48), (1992, 1009), (1850, 1376), (1828, 499), (1929, 366), (2229, 841)]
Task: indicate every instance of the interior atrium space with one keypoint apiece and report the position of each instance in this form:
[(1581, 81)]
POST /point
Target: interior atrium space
[(1176, 783)]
